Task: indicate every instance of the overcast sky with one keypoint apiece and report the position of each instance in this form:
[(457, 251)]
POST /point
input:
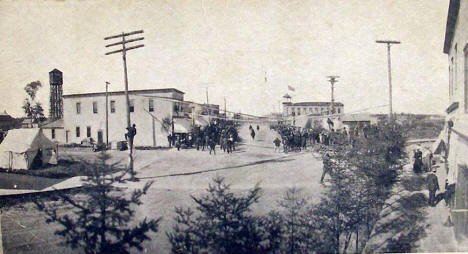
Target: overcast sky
[(227, 46)]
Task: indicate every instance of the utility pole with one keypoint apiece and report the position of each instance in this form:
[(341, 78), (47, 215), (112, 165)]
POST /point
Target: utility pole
[(193, 116), (225, 114), (333, 80), (124, 58), (107, 115), (389, 44), (207, 102)]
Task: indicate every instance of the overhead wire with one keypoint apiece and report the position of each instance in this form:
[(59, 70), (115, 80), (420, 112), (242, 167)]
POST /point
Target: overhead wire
[(260, 118)]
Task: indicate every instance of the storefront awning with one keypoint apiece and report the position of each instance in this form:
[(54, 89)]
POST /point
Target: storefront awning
[(182, 125), (201, 122)]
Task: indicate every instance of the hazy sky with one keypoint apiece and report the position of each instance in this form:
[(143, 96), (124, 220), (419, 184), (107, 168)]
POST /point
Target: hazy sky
[(228, 46)]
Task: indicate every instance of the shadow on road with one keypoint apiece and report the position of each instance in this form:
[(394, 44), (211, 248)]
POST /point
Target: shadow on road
[(283, 159)]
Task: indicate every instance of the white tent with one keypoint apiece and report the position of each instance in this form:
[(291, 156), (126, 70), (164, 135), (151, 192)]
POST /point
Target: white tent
[(21, 146)]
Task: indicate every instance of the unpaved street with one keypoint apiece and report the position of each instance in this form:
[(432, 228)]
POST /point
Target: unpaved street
[(176, 176)]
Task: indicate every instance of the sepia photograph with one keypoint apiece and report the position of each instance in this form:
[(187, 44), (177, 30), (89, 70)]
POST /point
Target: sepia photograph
[(233, 126)]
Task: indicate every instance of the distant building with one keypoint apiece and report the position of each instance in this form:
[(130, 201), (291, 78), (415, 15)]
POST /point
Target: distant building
[(310, 108), (84, 115), (54, 130), (210, 109), (7, 122), (359, 119), (453, 141), (28, 123)]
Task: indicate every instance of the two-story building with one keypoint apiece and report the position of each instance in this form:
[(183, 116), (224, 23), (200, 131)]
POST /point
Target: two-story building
[(453, 141), (84, 115), (311, 108)]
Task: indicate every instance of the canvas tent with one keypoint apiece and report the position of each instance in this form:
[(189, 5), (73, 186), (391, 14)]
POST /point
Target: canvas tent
[(21, 146)]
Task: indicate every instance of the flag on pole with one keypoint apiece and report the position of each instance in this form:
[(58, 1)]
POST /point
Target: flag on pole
[(290, 88)]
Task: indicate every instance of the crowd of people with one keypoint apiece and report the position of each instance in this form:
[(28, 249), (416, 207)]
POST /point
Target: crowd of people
[(297, 139), (221, 132)]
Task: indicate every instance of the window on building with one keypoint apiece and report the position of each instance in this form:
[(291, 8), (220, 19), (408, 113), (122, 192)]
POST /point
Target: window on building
[(132, 106), (95, 107), (88, 131), (339, 110), (112, 106), (151, 105), (78, 107), (77, 132), (52, 132)]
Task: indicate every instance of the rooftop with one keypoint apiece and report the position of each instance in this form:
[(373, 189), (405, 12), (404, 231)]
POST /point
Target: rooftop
[(55, 70), (362, 117), (452, 16), (57, 124), (159, 90)]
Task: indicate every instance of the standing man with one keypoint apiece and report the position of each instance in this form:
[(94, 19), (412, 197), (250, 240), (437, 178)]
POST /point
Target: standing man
[(131, 133), (417, 165), (212, 144), (433, 187), (169, 140), (326, 166), (277, 143), (178, 143)]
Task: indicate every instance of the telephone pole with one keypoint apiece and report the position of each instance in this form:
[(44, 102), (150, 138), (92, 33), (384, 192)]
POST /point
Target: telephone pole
[(389, 44), (124, 50), (333, 80), (107, 115), (225, 114)]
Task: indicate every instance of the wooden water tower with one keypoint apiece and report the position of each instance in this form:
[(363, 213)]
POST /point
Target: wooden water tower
[(56, 91)]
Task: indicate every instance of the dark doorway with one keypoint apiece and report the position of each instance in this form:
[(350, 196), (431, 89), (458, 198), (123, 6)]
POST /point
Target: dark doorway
[(37, 162)]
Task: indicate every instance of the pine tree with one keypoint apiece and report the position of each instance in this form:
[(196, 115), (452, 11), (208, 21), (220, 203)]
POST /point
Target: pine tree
[(101, 213), (223, 224)]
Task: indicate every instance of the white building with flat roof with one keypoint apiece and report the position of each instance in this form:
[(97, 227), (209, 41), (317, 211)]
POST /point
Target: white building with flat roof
[(311, 108), (84, 115)]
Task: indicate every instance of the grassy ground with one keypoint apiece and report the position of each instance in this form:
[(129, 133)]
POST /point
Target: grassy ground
[(421, 128), (72, 162), (63, 170)]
